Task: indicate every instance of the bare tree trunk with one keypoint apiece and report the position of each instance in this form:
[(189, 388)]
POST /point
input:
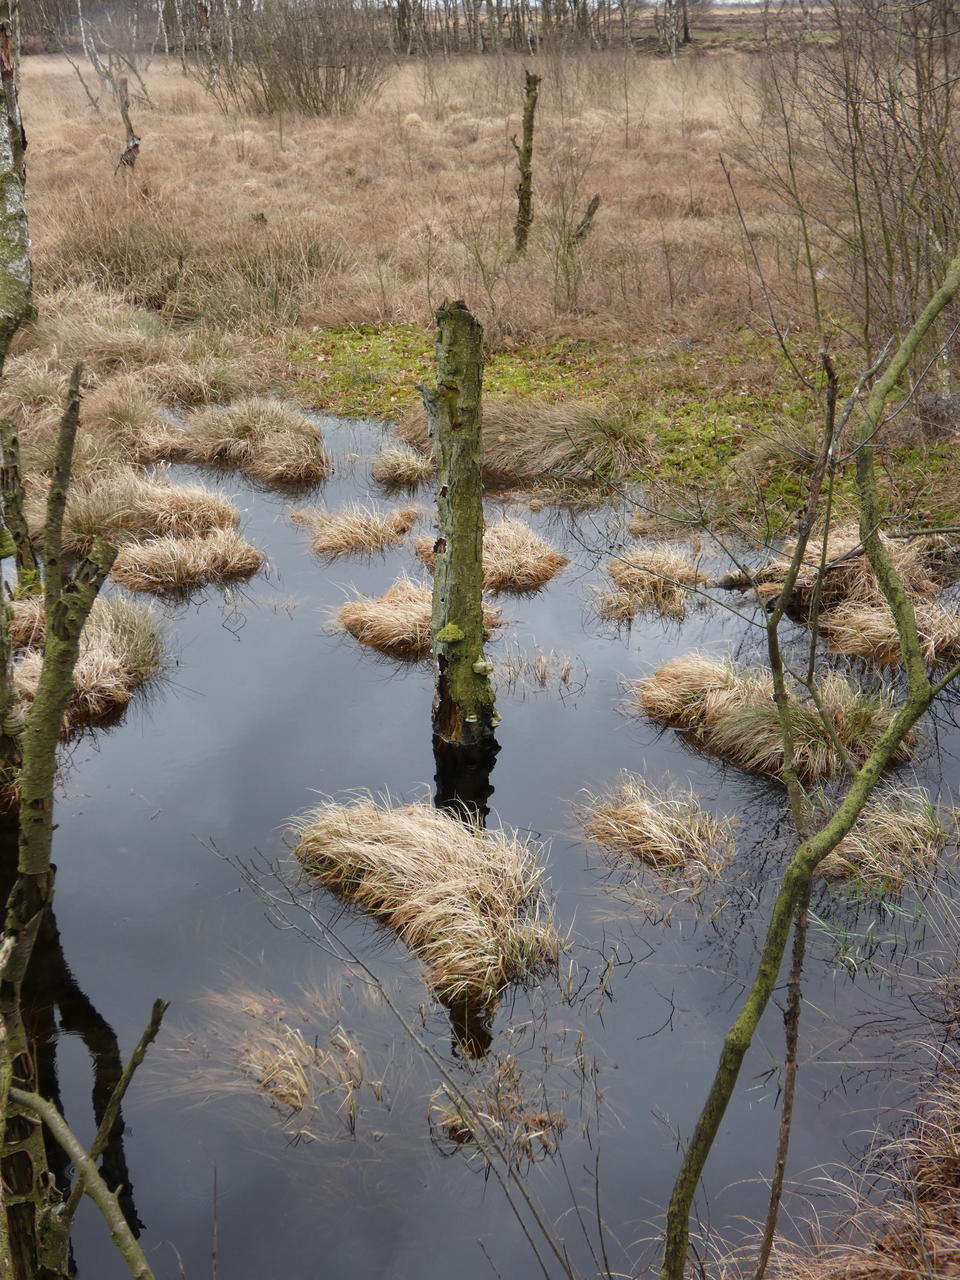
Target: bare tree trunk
[(524, 152), (463, 709)]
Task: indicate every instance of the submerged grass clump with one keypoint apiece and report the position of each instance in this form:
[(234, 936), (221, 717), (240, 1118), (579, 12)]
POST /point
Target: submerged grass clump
[(123, 505), (401, 467), (532, 442), (398, 622), (268, 440), (898, 834), (664, 829), (732, 713), (657, 577), (356, 529), (515, 558), (168, 565), (468, 902), (121, 648)]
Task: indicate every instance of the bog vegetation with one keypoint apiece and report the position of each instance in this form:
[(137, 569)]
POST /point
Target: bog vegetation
[(721, 323)]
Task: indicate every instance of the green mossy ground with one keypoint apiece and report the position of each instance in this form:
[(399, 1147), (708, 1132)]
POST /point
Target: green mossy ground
[(691, 408)]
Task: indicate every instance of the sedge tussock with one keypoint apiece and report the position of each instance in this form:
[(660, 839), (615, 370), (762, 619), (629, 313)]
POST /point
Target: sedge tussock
[(662, 828), (100, 329), (401, 467), (656, 577), (501, 1110), (170, 564), (869, 631), (121, 648), (529, 441), (356, 529), (398, 623), (123, 505), (515, 558), (468, 902), (267, 440), (732, 713), (899, 833), (94, 451), (848, 576), (124, 406), (27, 622), (30, 382)]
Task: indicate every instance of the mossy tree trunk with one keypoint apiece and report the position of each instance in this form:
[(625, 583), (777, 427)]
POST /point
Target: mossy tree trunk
[(921, 693), (524, 150), (463, 711), (11, 494)]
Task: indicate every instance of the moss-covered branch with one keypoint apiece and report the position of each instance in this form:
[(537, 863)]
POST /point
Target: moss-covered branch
[(11, 492)]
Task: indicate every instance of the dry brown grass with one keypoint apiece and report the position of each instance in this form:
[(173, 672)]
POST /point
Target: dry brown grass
[(268, 440), (869, 631), (849, 578), (664, 829), (168, 565), (28, 623), (914, 1232), (345, 234), (534, 442), (398, 623), (899, 833), (356, 530), (401, 467), (122, 505), (500, 1109), (121, 648), (468, 902), (657, 577), (732, 713), (515, 558)]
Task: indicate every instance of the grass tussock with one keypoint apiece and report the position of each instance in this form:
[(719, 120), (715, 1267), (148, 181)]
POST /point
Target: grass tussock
[(123, 505), (499, 1110), (27, 622), (732, 713), (468, 902), (121, 648), (515, 558), (398, 623), (356, 530), (663, 829), (169, 565), (268, 440), (530, 442), (869, 631), (912, 1234), (898, 834), (848, 577), (401, 467), (655, 578)]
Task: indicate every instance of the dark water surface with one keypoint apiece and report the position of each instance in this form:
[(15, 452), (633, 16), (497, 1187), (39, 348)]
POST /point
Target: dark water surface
[(265, 709)]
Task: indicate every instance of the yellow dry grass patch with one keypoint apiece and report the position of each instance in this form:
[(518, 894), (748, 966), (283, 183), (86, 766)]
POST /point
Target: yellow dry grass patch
[(869, 631), (123, 505), (515, 558), (401, 467), (121, 648), (899, 833), (268, 440), (27, 622), (663, 828), (398, 623), (468, 902), (732, 713), (655, 577), (848, 577), (168, 565), (356, 529)]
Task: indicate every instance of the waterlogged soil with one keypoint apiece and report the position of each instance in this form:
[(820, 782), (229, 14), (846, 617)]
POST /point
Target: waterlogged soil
[(165, 818)]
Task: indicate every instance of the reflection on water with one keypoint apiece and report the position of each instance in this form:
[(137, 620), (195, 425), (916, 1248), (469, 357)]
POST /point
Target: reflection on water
[(267, 707)]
